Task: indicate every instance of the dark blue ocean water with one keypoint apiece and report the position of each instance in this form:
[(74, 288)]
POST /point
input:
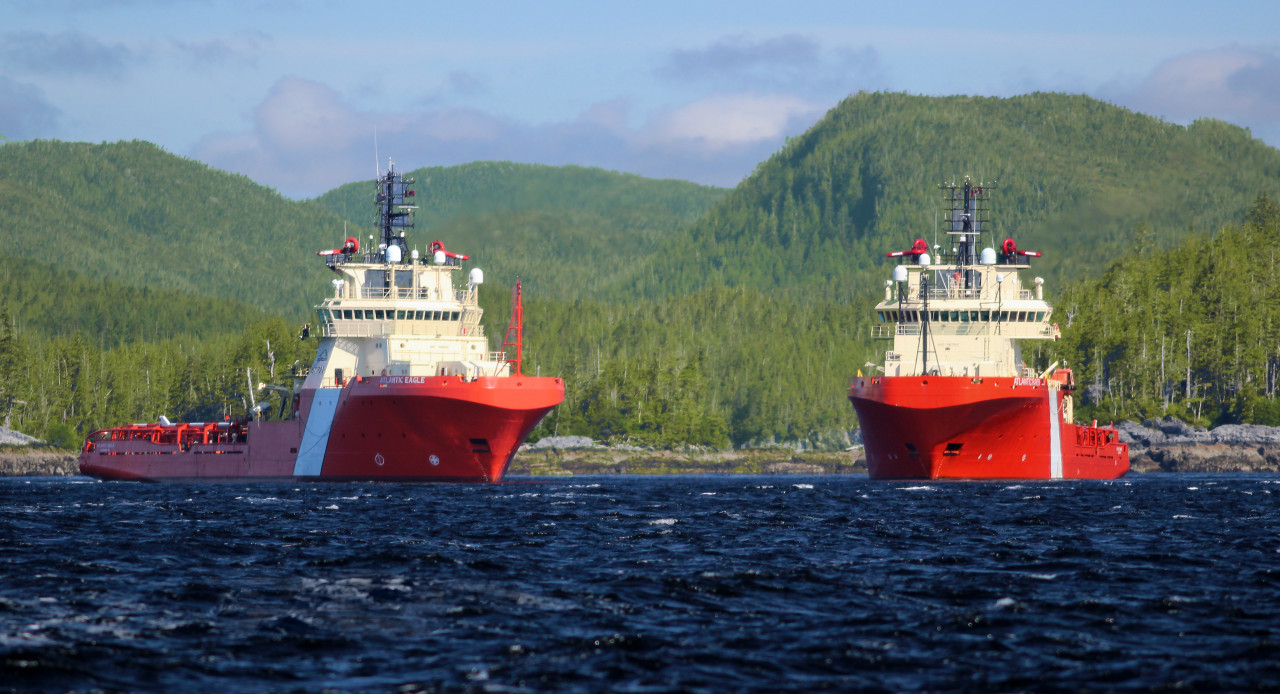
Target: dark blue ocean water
[(717, 584)]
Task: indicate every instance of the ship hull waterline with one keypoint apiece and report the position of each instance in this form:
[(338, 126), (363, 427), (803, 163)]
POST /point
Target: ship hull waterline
[(959, 427), (392, 429)]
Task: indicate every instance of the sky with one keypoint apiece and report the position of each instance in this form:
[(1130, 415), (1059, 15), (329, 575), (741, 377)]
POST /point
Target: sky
[(306, 96)]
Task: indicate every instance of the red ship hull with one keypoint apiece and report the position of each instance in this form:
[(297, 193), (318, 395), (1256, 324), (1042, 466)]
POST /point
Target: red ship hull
[(957, 427), (439, 428)]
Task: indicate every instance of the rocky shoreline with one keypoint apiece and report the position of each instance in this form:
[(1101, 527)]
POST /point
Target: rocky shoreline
[(1167, 445), (1171, 445), (37, 463)]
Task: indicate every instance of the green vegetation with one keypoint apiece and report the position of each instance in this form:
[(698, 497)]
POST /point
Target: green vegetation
[(568, 232), (56, 300), (1073, 173), (678, 314), (1192, 332), (66, 386), (133, 215)]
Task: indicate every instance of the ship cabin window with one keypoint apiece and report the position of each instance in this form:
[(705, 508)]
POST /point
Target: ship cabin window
[(378, 314), (933, 315), (437, 316), (955, 316), (346, 314), (399, 315), (964, 316), (1022, 316), (893, 316), (986, 316), (1039, 316)]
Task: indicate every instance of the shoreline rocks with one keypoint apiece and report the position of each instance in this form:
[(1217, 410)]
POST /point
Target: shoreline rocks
[(1171, 445), (1167, 445), (37, 463)]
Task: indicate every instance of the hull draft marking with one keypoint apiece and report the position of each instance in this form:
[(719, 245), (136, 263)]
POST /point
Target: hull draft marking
[(315, 439), (1055, 437)]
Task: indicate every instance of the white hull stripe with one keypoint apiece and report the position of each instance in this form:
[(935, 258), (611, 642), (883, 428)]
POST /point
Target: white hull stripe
[(315, 438), (1055, 437)]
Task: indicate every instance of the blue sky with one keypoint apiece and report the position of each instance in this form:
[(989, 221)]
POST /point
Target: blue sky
[(291, 93)]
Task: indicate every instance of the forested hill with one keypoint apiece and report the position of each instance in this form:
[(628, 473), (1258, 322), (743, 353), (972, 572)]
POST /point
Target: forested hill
[(678, 313), (567, 231), (54, 300), (135, 215), (1192, 331), (1075, 176)]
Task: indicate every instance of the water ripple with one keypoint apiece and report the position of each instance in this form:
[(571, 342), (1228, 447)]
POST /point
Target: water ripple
[(642, 584)]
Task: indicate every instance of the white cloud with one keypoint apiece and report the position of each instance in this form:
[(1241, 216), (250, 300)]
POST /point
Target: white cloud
[(307, 138), (730, 120), (1239, 85)]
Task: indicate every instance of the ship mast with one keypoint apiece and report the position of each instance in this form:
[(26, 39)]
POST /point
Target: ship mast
[(967, 203), (393, 215)]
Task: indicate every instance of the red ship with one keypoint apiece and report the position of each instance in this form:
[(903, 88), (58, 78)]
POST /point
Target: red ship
[(403, 387), (953, 399)]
